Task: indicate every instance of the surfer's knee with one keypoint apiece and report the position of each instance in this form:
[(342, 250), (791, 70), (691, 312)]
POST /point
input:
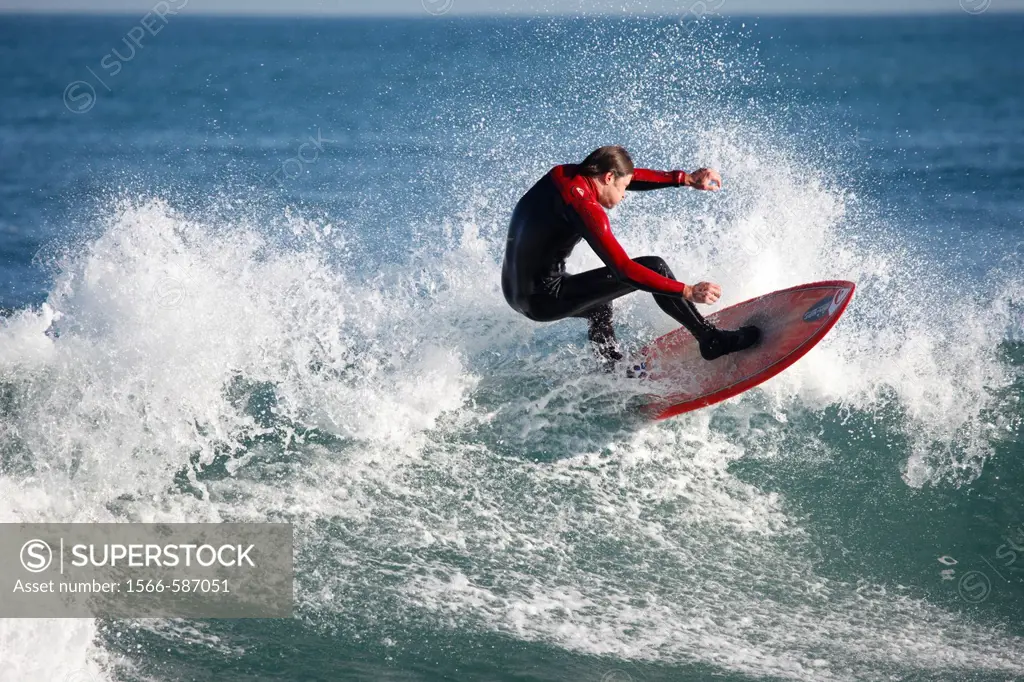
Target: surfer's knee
[(534, 310), (656, 263)]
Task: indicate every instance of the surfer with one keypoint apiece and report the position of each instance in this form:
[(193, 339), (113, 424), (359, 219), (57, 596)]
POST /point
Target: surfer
[(568, 204)]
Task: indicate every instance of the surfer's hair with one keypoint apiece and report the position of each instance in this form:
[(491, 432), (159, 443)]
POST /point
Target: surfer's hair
[(610, 159)]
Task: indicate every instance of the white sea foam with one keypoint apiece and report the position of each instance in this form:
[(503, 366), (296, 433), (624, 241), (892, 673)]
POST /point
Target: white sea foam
[(467, 438)]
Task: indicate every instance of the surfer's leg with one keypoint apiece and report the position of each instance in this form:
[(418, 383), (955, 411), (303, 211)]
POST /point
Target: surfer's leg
[(580, 295), (588, 295), (714, 342), (682, 311), (601, 333)]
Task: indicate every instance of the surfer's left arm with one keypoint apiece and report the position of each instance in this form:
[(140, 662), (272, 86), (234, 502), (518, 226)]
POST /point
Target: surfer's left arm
[(645, 179)]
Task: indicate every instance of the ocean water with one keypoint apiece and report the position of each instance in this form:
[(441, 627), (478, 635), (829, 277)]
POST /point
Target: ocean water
[(267, 253)]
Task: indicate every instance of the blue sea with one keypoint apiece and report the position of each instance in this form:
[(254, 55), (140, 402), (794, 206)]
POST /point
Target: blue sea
[(249, 271)]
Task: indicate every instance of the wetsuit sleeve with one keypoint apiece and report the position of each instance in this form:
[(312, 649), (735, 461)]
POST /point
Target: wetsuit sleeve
[(594, 226), (645, 179)]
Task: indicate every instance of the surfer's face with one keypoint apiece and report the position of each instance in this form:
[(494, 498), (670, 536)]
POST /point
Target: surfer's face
[(611, 189)]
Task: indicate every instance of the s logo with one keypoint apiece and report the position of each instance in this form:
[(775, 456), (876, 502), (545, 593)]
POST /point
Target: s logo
[(837, 299), (826, 306), (579, 190)]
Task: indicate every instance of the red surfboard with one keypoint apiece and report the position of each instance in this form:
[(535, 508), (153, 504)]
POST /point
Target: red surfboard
[(792, 321)]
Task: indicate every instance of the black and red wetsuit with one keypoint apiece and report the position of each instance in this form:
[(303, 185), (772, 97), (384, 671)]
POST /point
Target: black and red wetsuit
[(548, 223)]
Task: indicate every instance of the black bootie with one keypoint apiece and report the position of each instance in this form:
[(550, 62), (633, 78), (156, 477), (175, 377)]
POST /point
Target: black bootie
[(722, 342)]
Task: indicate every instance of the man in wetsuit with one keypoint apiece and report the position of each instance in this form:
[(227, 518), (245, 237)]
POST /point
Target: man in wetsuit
[(567, 205)]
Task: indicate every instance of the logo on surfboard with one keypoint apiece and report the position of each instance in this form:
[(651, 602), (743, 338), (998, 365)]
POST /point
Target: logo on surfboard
[(825, 306)]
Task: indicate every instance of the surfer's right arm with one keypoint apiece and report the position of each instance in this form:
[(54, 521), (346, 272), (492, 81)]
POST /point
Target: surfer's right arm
[(596, 229)]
